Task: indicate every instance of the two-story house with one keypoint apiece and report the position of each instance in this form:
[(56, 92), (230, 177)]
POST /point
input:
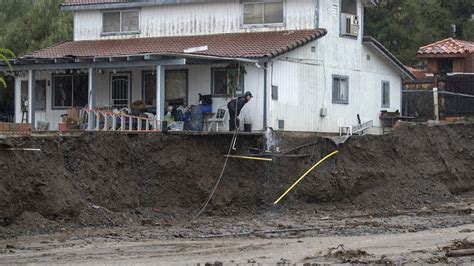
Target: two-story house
[(306, 62)]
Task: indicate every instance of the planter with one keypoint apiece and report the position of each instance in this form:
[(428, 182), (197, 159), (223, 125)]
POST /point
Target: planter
[(248, 127)]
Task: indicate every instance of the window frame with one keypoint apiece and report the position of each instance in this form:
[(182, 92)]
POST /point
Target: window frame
[(346, 35), (383, 104), (238, 93), (340, 77), (129, 77), (121, 32), (261, 25), (53, 89), (144, 73), (153, 73), (42, 93)]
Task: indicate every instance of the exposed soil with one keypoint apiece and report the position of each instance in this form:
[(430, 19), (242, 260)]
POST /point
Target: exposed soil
[(125, 179)]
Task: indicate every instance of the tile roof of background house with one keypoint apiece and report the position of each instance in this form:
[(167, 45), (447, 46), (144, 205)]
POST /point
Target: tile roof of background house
[(418, 73), (448, 46), (234, 45)]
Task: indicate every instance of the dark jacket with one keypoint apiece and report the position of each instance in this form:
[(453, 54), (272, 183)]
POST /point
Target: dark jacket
[(239, 103)]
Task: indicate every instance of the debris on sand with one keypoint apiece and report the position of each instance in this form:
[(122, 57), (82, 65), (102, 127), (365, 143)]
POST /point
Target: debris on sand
[(348, 255), (438, 260), (458, 244), (459, 248)]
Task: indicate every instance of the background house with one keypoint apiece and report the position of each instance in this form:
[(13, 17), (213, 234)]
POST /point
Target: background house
[(306, 62), (450, 68)]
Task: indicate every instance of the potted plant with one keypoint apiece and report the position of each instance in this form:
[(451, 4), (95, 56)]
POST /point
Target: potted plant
[(234, 77), (247, 124)]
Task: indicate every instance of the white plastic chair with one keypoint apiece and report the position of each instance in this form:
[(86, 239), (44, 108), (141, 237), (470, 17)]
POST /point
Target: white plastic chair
[(218, 118), (153, 118)]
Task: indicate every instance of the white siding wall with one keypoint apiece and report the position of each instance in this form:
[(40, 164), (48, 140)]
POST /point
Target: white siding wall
[(49, 115), (306, 86), (217, 16)]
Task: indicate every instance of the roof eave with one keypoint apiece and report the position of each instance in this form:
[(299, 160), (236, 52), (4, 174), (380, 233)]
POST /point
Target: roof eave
[(126, 5), (377, 46), (440, 55)]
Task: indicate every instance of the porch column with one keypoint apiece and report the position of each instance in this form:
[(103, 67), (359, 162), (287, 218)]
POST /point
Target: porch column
[(91, 98), (31, 98), (160, 92)]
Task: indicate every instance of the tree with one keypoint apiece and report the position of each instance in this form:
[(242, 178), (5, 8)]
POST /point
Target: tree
[(5, 55), (28, 25), (405, 25)]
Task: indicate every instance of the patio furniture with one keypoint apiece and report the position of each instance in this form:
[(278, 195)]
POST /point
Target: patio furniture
[(219, 118)]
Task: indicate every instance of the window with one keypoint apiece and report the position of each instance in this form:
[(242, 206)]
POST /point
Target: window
[(121, 21), (40, 95), (149, 87), (220, 82), (445, 66), (70, 91), (120, 86), (349, 7), (349, 20), (340, 89), (176, 87), (259, 12), (275, 93), (385, 94)]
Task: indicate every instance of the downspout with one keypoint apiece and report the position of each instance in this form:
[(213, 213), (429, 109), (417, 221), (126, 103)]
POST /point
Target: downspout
[(265, 96), (316, 15)]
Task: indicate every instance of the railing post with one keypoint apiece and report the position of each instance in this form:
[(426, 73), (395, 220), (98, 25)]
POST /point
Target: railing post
[(122, 123), (31, 98), (106, 121), (160, 93), (97, 120), (91, 98), (114, 122), (436, 103)]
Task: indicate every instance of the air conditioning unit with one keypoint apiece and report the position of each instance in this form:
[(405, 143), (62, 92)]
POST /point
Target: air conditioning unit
[(349, 25)]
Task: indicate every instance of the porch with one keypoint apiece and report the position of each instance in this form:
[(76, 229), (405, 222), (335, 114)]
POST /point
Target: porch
[(121, 93)]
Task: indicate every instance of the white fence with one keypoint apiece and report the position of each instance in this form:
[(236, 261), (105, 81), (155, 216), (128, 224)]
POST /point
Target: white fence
[(106, 120)]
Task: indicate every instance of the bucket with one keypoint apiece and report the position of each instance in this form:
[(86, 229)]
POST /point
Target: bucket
[(62, 126), (248, 127)]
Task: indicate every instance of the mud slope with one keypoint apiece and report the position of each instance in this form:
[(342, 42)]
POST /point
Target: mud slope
[(113, 179)]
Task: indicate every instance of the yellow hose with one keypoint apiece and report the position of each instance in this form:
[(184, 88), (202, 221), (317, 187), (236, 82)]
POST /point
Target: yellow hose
[(249, 158), (303, 176)]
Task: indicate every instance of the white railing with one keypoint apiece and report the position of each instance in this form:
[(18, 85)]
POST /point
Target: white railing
[(360, 130), (106, 120)]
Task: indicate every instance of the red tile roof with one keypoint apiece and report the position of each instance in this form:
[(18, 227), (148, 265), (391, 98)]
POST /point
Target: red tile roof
[(92, 2), (448, 46), (235, 45), (418, 73)]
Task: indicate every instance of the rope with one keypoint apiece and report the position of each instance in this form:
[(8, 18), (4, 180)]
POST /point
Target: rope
[(231, 147), (234, 137)]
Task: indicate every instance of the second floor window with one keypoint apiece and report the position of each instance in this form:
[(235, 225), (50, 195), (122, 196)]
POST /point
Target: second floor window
[(121, 21), (349, 18), (261, 12)]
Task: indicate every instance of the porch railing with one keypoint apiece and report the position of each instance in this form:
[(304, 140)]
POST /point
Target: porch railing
[(106, 120)]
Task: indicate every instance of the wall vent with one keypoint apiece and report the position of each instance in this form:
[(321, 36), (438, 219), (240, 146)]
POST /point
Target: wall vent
[(281, 124)]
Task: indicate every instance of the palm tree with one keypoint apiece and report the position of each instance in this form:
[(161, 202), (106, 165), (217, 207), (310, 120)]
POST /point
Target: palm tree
[(5, 54)]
